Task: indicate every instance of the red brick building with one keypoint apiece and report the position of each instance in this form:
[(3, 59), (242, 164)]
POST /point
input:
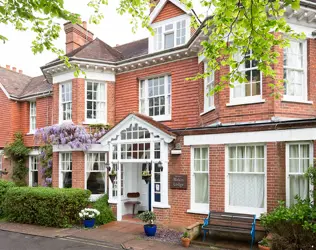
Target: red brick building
[(241, 150)]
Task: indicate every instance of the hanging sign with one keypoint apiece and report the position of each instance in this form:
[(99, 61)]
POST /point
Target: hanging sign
[(178, 181)]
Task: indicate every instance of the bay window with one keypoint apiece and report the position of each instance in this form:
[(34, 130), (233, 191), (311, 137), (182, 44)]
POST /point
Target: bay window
[(208, 86), (299, 157), (65, 170), (96, 172), (65, 102), (295, 79), (250, 91), (96, 102), (33, 171), (245, 184), (155, 97), (200, 179), (171, 34), (32, 117)]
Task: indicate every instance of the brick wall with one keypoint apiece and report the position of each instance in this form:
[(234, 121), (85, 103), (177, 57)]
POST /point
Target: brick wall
[(169, 11), (111, 103), (78, 172), (55, 170), (78, 100), (5, 121), (184, 112)]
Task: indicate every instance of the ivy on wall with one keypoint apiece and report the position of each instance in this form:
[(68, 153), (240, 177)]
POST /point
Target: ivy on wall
[(18, 153)]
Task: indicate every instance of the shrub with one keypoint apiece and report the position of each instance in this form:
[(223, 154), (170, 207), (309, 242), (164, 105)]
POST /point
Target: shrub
[(45, 206), (4, 187), (148, 217), (106, 214)]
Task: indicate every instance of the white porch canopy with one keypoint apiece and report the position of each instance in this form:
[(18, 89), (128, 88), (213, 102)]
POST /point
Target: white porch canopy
[(136, 144)]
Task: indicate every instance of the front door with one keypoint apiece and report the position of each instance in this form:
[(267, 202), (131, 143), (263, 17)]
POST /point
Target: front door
[(143, 188)]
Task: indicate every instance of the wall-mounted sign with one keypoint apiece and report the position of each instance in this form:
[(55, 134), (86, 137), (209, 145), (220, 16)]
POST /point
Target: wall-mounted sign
[(178, 181)]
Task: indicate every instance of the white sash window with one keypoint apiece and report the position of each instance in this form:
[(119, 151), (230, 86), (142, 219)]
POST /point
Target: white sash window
[(200, 179), (65, 170), (299, 156), (245, 183), (96, 173), (33, 171), (96, 102), (295, 65), (32, 117), (65, 102)]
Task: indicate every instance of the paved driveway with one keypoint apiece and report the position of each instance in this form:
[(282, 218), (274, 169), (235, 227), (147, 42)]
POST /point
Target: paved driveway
[(16, 241)]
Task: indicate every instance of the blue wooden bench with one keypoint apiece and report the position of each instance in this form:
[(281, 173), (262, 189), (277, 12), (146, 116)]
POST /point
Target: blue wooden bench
[(230, 222)]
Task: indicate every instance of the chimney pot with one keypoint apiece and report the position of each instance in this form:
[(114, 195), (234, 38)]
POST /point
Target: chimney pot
[(7, 66), (20, 71), (14, 69), (84, 24)]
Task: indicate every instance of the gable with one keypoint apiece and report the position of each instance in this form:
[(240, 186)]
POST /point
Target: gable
[(170, 10)]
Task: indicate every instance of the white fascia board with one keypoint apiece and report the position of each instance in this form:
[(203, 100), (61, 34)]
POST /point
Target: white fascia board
[(162, 4), (252, 137), (67, 148), (172, 20), (90, 74), (298, 28)]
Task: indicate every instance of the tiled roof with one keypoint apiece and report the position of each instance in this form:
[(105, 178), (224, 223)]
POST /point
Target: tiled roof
[(19, 85), (134, 49), (37, 85)]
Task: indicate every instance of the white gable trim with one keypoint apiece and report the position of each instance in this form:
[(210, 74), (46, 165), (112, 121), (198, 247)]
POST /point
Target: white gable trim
[(5, 91), (162, 4), (131, 119)]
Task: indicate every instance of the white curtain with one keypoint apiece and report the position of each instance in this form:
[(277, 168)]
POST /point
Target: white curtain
[(246, 190), (298, 186), (201, 188)]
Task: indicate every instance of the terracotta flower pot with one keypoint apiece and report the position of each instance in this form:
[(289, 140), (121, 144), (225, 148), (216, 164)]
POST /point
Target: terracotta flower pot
[(185, 242), (264, 247)]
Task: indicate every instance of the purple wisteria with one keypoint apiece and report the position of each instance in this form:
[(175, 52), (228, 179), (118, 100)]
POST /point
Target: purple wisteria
[(69, 134)]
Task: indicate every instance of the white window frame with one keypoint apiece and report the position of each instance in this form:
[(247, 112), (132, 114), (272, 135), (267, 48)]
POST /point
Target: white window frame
[(89, 120), (96, 196), (287, 163), (201, 208), (245, 99), (60, 168), (61, 103), (115, 185), (32, 164), (32, 117), (209, 83), (168, 107), (158, 43), (245, 210), (304, 97)]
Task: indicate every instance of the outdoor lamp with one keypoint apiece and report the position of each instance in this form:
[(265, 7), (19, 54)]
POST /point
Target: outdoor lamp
[(160, 166), (107, 166)]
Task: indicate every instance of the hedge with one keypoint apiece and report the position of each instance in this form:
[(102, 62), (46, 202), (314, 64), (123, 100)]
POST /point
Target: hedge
[(106, 213), (4, 187), (45, 206)]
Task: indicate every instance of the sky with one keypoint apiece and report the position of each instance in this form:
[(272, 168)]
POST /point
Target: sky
[(114, 29)]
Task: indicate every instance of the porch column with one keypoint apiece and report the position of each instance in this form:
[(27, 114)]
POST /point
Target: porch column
[(119, 196)]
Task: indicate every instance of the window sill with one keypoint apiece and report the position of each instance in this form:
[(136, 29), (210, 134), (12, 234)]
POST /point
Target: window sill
[(296, 101), (194, 211), (161, 118), (161, 206), (94, 122), (30, 133), (208, 110), (245, 102), (112, 201)]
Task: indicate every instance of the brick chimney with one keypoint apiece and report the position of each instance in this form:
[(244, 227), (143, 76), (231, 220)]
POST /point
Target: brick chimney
[(20, 71), (153, 4), (14, 69), (76, 35), (7, 66)]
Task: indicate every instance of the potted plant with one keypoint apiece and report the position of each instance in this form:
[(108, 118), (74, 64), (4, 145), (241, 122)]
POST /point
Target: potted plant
[(185, 239), (264, 244), (112, 175), (88, 216), (146, 176), (149, 218)]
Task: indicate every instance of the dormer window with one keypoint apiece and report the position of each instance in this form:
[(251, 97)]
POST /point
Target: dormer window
[(171, 33)]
